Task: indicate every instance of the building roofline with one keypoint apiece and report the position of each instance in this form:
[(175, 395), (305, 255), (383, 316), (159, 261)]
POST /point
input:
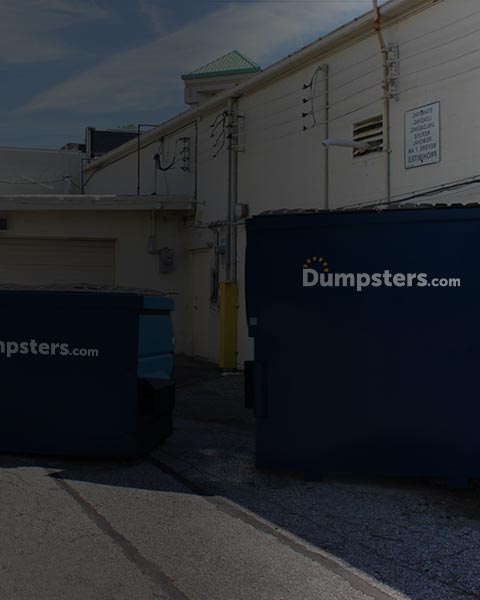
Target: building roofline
[(82, 203), (213, 74), (40, 150), (359, 28), (199, 73)]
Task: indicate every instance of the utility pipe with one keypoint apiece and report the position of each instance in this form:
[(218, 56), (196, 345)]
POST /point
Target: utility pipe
[(231, 274), (349, 33), (386, 99), (228, 288), (326, 152), (139, 133)]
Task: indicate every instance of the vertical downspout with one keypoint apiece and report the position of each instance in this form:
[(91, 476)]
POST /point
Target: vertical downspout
[(234, 198), (139, 128), (82, 173), (386, 99), (139, 150), (228, 288), (195, 193), (326, 155), (231, 194)]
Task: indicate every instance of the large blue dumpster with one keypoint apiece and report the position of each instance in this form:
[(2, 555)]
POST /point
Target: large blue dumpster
[(367, 340), (85, 370)]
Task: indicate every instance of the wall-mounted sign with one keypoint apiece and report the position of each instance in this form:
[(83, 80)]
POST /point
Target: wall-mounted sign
[(422, 136)]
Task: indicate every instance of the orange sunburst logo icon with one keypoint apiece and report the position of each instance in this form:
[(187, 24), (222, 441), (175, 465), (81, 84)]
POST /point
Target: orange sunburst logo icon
[(317, 261)]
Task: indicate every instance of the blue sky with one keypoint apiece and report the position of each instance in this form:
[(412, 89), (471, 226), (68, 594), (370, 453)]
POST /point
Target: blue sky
[(68, 64)]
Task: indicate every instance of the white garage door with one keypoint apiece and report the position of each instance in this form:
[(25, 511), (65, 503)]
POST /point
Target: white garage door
[(43, 261)]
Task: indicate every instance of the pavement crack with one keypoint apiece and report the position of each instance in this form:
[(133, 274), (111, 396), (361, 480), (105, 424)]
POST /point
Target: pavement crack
[(131, 552), (231, 509)]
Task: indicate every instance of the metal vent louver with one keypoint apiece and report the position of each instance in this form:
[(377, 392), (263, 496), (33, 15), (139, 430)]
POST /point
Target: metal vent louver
[(371, 132)]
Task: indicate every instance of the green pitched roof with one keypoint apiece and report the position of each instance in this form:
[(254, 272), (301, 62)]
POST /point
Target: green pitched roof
[(233, 63)]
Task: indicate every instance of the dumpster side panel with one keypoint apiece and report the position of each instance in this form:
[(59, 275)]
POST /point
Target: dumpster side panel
[(68, 365), (383, 380), (156, 389)]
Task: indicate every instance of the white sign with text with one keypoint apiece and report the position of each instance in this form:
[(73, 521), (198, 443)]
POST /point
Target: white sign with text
[(422, 136)]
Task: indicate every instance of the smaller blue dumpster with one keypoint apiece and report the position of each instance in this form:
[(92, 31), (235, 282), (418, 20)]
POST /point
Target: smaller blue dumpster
[(85, 370)]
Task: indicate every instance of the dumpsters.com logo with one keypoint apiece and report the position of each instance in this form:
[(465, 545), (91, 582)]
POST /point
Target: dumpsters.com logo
[(317, 273)]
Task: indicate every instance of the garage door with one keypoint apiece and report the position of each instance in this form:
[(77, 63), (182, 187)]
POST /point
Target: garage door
[(42, 261)]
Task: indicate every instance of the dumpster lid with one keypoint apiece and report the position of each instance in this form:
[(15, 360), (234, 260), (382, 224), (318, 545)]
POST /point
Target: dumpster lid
[(86, 288), (456, 195), (405, 205)]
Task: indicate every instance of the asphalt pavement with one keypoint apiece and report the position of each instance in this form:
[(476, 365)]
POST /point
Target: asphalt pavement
[(196, 520)]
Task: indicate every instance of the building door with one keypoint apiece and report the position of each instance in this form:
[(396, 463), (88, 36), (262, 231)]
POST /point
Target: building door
[(42, 261), (201, 303)]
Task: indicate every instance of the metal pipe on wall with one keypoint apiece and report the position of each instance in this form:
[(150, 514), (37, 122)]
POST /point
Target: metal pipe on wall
[(234, 199), (326, 152), (139, 133), (229, 288), (231, 262), (386, 99)]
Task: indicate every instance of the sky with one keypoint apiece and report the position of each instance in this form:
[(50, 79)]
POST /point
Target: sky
[(69, 64)]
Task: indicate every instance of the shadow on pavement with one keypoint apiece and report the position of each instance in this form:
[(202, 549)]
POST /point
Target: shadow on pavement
[(416, 536)]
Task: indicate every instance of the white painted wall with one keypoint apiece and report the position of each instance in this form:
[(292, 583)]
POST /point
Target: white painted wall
[(130, 230), (282, 165), (121, 176), (31, 171)]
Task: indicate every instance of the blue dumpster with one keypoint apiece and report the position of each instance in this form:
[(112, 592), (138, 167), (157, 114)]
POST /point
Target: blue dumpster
[(85, 370), (367, 341)]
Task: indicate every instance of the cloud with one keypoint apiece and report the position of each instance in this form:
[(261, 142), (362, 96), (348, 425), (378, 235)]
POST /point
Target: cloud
[(148, 77), (156, 16), (30, 30)]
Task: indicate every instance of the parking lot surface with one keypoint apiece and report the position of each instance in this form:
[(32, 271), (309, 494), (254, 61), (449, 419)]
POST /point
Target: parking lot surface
[(196, 520)]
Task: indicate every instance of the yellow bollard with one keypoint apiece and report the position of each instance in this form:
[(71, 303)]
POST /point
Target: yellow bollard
[(228, 325)]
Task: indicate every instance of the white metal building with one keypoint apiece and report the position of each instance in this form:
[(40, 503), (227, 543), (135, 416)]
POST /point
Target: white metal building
[(401, 85), (39, 171)]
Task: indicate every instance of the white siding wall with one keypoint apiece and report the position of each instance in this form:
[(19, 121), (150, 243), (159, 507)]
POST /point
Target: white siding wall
[(212, 206), (121, 177), (282, 165), (433, 65), (29, 171), (130, 232)]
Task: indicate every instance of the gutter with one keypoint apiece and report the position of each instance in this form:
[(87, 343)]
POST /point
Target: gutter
[(386, 99), (359, 28), (110, 203)]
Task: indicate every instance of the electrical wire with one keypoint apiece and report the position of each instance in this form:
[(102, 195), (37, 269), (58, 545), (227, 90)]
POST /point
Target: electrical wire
[(376, 85), (440, 64), (423, 35), (432, 48), (31, 182), (312, 85), (319, 123), (336, 74), (221, 139), (75, 185), (323, 122), (403, 43), (158, 157), (221, 147), (286, 136), (404, 59), (355, 65), (427, 192), (165, 178), (442, 79)]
